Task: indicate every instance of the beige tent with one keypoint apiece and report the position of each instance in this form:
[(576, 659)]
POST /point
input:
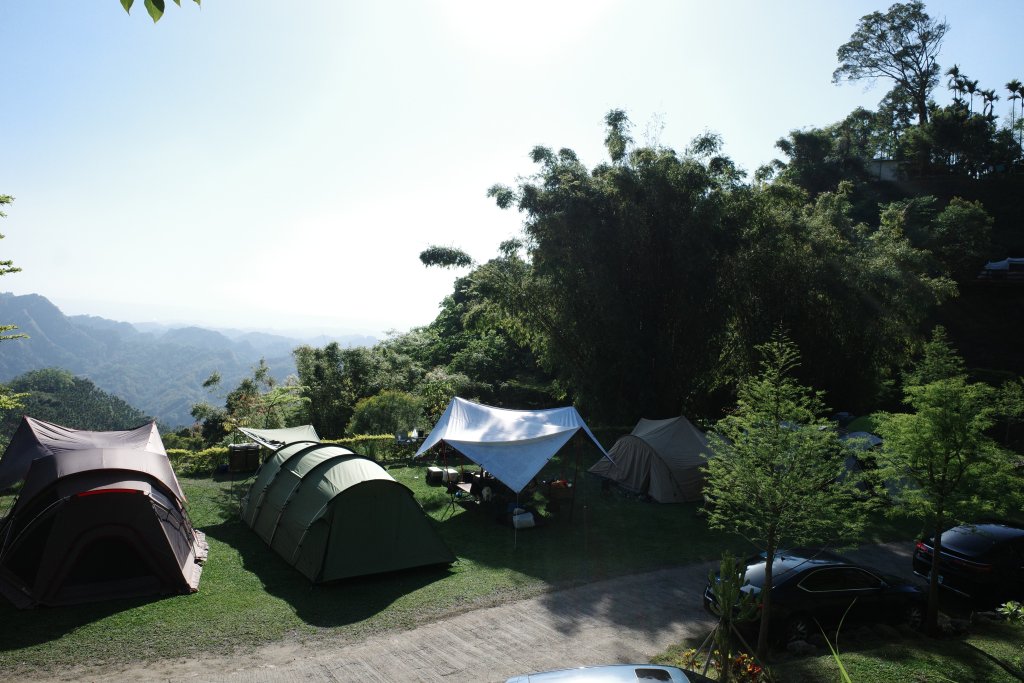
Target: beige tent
[(660, 458)]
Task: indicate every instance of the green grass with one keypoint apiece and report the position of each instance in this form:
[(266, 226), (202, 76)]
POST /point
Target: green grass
[(981, 657), (248, 596), (991, 653)]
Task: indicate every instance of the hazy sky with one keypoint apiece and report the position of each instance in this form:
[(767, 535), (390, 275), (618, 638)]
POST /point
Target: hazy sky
[(280, 165)]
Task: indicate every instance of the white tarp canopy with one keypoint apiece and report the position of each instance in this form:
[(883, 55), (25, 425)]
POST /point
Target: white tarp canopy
[(275, 438), (513, 445)]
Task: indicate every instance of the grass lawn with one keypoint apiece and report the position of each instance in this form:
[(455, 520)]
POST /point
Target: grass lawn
[(248, 596), (991, 652)]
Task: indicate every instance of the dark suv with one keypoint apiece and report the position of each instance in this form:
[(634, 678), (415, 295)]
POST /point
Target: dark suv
[(984, 562), (812, 588)]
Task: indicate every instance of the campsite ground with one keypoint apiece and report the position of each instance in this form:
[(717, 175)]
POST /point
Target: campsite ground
[(619, 580), (630, 618)]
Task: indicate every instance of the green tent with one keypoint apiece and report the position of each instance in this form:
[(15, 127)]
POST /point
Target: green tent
[(333, 514)]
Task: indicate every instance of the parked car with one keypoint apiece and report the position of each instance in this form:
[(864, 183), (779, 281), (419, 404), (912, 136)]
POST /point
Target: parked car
[(817, 587), (614, 673), (984, 562)]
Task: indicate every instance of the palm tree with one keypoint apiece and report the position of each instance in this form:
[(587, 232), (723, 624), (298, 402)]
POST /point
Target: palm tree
[(988, 98), (1020, 93), (1014, 87), (955, 81), (972, 88)]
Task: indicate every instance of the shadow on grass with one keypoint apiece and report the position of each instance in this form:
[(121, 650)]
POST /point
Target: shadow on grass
[(332, 604), (25, 628), (604, 535)]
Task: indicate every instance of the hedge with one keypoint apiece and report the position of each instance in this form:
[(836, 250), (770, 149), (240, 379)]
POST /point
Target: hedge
[(378, 447)]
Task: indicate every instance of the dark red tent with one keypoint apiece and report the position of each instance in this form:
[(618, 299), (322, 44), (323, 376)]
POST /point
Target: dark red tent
[(100, 515)]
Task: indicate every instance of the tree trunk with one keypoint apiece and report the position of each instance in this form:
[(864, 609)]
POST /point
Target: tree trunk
[(766, 601), (931, 619)]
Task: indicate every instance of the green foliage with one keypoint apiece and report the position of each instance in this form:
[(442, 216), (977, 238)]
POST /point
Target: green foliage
[(191, 463), (732, 605), (851, 296), (389, 411), (948, 467), (628, 267), (777, 473), (258, 401), (958, 237), (58, 396), (901, 45), (186, 439), (9, 399), (326, 386), (624, 273), (377, 447), (445, 257), (1013, 611), (154, 7)]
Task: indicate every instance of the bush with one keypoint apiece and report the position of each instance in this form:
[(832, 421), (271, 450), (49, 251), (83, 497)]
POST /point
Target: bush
[(386, 413), (377, 447), (189, 463)]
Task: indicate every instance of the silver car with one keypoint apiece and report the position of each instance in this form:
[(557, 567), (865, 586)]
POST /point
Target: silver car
[(614, 673)]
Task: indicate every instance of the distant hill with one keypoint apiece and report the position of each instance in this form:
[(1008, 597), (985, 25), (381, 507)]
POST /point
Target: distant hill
[(60, 397), (157, 369)]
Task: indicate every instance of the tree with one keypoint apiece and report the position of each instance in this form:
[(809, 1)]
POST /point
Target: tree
[(776, 474), (8, 400), (843, 289), (322, 376), (258, 401), (1014, 87), (902, 45), (951, 471), (154, 7), (445, 257), (958, 236), (621, 272), (388, 412), (58, 396)]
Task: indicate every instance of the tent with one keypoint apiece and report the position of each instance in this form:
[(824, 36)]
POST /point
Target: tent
[(100, 515), (659, 458), (333, 514), (513, 445), (275, 438)]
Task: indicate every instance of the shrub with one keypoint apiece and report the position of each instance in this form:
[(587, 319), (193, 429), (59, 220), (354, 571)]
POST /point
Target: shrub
[(189, 463), (377, 447), (386, 413)]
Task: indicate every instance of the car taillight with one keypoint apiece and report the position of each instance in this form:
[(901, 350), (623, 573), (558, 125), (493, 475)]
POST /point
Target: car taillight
[(923, 548)]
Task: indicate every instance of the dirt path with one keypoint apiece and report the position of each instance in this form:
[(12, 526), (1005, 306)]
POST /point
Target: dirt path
[(629, 619)]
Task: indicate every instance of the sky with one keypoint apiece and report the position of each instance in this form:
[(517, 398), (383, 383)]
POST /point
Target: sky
[(279, 166)]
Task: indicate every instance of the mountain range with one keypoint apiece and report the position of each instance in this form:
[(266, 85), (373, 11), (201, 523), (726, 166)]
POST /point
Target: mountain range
[(155, 368)]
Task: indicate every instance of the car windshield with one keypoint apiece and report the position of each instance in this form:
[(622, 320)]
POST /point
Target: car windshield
[(783, 567)]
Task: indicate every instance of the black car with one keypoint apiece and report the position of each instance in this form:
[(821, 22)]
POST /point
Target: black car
[(812, 588), (984, 562)]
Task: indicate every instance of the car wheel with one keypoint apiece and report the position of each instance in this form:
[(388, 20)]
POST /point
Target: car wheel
[(913, 616), (799, 627)]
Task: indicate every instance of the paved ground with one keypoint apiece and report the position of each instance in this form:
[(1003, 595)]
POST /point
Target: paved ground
[(629, 619)]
